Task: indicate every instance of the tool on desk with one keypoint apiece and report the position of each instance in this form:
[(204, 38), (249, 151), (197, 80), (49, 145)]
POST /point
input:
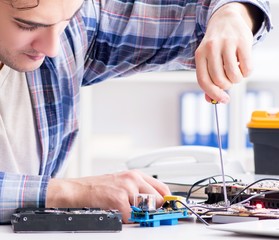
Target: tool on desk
[(214, 102)]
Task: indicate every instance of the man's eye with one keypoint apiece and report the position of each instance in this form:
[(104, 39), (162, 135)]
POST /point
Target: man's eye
[(26, 28)]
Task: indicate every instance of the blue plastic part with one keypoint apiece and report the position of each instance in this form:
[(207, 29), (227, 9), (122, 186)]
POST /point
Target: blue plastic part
[(157, 218), (136, 209)]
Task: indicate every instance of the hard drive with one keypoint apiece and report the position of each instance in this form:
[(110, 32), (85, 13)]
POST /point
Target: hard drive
[(66, 220)]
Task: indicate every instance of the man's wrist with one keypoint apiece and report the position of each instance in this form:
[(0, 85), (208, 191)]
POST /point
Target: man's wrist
[(56, 193), (252, 15)]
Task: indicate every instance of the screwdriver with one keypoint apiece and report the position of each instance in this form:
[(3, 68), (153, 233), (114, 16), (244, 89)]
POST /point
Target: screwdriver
[(214, 102)]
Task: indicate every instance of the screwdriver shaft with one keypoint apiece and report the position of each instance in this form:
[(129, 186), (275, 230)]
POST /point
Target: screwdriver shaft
[(221, 155)]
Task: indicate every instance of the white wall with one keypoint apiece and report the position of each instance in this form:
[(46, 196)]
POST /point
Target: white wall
[(131, 116)]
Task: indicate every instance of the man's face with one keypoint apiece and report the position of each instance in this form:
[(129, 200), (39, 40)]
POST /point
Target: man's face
[(28, 36)]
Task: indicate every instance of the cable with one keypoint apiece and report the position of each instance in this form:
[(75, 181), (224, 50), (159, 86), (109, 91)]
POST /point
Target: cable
[(250, 185), (198, 216), (203, 180), (210, 209), (258, 195)]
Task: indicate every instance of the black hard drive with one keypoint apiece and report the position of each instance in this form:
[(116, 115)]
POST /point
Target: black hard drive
[(66, 220)]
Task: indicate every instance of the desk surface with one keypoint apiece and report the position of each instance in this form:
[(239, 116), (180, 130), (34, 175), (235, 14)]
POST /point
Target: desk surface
[(188, 229)]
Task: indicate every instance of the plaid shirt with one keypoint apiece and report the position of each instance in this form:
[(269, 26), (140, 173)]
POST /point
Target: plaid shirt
[(106, 39)]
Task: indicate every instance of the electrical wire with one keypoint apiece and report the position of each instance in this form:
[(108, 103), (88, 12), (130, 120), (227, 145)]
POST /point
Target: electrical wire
[(258, 195), (206, 179), (192, 211), (250, 185), (210, 208), (221, 209)]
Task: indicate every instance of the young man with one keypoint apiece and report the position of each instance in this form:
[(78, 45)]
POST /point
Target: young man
[(50, 48)]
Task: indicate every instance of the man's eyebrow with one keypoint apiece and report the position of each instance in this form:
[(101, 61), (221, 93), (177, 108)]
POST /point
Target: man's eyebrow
[(37, 24), (31, 23)]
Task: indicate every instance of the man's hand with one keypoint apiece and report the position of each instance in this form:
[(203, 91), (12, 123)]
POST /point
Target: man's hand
[(111, 191), (224, 56)]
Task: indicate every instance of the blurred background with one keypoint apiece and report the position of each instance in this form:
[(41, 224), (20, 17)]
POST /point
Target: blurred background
[(124, 117)]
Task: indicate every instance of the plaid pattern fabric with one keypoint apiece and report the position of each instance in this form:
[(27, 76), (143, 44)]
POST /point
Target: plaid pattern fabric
[(106, 39)]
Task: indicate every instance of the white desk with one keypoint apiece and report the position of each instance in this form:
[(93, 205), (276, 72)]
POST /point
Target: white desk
[(188, 229)]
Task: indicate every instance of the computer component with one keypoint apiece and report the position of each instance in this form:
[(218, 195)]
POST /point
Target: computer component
[(145, 213), (66, 220), (265, 193)]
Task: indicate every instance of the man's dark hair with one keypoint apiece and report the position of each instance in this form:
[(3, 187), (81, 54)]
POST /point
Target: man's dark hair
[(23, 4)]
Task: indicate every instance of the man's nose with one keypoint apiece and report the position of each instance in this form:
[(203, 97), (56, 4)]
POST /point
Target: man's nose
[(47, 42)]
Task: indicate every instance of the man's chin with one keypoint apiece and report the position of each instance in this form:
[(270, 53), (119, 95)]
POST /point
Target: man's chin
[(28, 68)]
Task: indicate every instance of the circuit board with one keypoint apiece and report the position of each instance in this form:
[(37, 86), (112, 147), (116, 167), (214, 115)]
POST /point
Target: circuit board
[(256, 201), (265, 193)]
